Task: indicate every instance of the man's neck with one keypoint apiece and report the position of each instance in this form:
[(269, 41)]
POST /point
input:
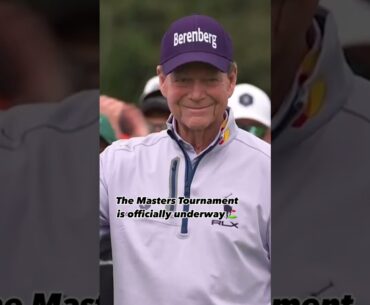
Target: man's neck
[(199, 139)]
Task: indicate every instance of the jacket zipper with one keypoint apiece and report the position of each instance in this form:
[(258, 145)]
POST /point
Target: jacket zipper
[(174, 170), (189, 175)]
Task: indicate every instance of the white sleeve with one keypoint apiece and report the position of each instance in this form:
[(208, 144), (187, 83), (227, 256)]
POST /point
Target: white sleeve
[(104, 198), (269, 239)]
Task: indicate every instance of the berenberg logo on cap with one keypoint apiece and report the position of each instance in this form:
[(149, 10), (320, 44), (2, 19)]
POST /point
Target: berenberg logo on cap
[(194, 36)]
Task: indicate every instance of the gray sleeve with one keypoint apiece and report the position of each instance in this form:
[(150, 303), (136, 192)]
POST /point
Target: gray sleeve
[(104, 199)]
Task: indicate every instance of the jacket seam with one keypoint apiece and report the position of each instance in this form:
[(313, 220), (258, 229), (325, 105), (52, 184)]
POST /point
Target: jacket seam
[(356, 114), (43, 126), (255, 148), (143, 144)]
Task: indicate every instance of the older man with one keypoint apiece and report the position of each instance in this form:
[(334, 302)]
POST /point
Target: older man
[(179, 257)]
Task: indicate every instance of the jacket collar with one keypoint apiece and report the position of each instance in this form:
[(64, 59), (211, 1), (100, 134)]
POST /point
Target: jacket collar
[(321, 95), (228, 130)]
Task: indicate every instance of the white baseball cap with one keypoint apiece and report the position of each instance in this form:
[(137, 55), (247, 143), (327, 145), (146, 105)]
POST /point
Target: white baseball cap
[(151, 86), (250, 102), (152, 98)]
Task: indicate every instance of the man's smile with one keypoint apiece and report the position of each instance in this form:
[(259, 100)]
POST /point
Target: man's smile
[(197, 107)]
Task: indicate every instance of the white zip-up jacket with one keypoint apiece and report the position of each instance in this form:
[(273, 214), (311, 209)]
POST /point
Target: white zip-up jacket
[(321, 182), (198, 261)]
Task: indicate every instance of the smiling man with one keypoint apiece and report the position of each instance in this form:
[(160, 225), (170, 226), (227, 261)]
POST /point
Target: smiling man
[(202, 155)]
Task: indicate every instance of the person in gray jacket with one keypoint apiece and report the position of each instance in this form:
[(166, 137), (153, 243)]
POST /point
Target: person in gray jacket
[(321, 149)]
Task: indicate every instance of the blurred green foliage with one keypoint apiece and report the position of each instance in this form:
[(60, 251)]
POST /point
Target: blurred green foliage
[(131, 32)]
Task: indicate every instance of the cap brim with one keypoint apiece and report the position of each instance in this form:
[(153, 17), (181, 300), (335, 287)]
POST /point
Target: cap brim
[(154, 104), (219, 62)]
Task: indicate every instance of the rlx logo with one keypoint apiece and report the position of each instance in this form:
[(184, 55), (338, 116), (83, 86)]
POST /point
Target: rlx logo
[(229, 215), (222, 223)]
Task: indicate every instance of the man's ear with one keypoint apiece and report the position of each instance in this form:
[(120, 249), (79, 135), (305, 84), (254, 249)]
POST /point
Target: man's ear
[(232, 76), (162, 83)]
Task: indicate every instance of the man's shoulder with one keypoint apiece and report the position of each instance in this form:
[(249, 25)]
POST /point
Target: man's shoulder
[(71, 122), (140, 143), (358, 103), (76, 112), (133, 150), (252, 144)]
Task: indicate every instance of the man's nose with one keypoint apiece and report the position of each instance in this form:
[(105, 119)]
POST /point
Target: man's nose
[(197, 91)]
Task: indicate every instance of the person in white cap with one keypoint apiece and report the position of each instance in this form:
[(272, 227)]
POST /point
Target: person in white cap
[(252, 110), (154, 106)]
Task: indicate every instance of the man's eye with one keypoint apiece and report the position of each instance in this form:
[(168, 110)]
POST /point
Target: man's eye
[(182, 80), (212, 80)]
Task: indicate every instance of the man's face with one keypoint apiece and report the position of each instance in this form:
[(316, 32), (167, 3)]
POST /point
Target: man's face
[(197, 95)]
